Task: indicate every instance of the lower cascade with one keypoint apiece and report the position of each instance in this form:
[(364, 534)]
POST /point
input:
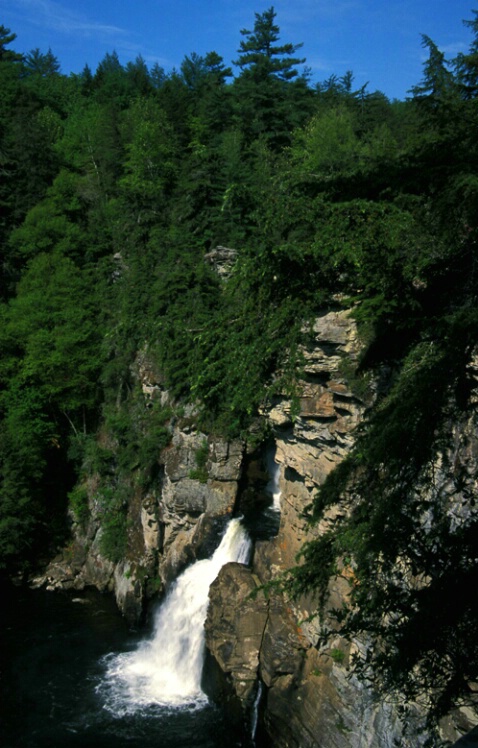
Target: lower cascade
[(255, 712), (166, 670)]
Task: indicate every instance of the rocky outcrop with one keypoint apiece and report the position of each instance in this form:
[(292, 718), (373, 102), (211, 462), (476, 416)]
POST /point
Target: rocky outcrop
[(310, 443), (221, 260), (310, 697), (235, 632), (188, 505), (175, 521)]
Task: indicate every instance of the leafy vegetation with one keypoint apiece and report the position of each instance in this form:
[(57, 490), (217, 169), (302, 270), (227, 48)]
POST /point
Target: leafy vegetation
[(118, 186)]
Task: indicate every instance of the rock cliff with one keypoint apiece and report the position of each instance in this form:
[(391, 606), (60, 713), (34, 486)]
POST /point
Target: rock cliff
[(264, 653), (310, 698), (175, 521)]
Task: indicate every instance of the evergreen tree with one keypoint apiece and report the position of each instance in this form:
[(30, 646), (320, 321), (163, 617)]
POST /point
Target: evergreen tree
[(466, 65), (138, 77), (41, 64), (437, 91), (6, 38), (261, 56), (111, 81), (264, 95)]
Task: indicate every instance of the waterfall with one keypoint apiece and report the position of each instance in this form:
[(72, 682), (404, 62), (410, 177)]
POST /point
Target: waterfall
[(166, 670), (255, 712), (272, 487)]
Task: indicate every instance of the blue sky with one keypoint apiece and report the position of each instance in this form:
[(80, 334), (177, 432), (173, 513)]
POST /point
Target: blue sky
[(379, 40)]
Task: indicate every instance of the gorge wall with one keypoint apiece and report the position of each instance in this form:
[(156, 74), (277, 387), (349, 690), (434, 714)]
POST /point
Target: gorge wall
[(263, 647), (309, 696)]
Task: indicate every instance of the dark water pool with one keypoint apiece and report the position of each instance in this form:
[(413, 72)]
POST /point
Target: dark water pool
[(51, 648)]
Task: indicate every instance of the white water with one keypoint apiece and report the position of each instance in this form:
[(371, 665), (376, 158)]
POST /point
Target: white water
[(255, 712), (166, 670), (273, 486)]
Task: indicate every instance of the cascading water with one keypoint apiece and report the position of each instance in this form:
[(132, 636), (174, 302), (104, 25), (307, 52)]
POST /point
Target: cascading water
[(255, 712), (273, 485), (166, 670)]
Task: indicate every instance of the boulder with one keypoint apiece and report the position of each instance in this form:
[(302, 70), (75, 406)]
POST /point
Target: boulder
[(235, 624)]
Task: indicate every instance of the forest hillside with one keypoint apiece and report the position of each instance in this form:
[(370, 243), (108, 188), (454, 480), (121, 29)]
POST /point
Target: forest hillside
[(121, 190)]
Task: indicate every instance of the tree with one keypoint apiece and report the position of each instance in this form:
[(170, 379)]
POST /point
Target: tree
[(157, 75), (86, 81), (193, 70), (55, 225), (111, 81), (54, 336), (41, 64), (328, 144), (6, 38), (260, 55), (466, 65), (9, 190), (91, 146), (51, 352), (150, 163), (438, 88), (138, 76), (266, 101)]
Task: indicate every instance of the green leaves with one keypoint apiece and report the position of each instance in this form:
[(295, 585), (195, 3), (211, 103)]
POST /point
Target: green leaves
[(51, 322), (328, 144), (51, 357), (151, 155)]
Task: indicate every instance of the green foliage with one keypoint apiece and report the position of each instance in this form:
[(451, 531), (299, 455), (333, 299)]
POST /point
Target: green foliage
[(234, 376), (78, 501), (55, 225), (6, 38), (438, 89), (260, 55), (51, 323), (337, 655), (267, 103), (328, 144), (114, 528), (150, 162), (201, 455), (360, 382)]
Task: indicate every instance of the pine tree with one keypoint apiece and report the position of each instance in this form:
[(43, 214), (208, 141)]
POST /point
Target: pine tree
[(6, 38), (466, 65), (41, 64), (438, 85), (261, 56), (266, 99)]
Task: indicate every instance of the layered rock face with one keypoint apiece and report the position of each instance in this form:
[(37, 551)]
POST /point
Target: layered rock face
[(312, 443), (309, 699)]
